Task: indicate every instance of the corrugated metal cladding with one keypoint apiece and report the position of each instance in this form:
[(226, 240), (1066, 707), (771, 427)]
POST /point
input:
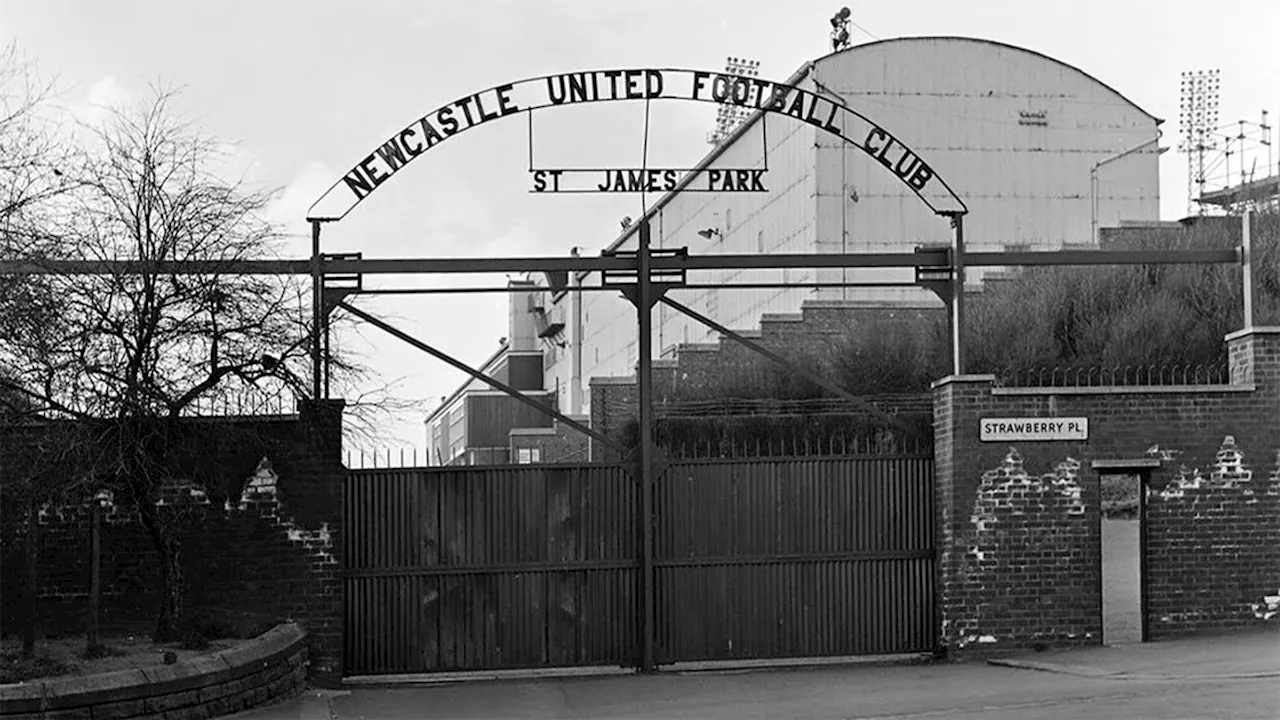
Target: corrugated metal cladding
[(1014, 133), (485, 568)]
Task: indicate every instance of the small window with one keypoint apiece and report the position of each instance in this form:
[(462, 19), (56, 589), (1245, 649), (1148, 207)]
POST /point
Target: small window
[(760, 241), (728, 220)]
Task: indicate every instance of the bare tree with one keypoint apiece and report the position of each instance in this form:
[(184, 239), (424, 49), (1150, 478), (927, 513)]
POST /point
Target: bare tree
[(31, 154), (31, 177), (128, 355)]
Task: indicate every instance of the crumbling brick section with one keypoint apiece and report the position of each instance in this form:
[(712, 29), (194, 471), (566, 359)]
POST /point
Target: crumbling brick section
[(1018, 524), (258, 547), (1030, 541), (1213, 544)]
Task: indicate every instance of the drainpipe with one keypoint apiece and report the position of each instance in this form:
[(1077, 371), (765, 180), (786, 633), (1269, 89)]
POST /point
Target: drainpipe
[(575, 345), (1093, 182)]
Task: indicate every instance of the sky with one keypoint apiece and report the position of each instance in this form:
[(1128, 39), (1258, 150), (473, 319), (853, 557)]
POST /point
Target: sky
[(306, 88)]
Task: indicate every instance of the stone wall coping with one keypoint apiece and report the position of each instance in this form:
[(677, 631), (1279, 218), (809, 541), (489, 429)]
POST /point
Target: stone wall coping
[(1124, 463), (697, 347), (613, 380), (1255, 330), (527, 432), (87, 690), (1126, 390), (869, 305), (962, 379), (781, 317)]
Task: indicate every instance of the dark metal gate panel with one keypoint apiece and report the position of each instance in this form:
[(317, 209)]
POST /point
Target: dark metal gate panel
[(484, 568), (489, 568), (802, 557)]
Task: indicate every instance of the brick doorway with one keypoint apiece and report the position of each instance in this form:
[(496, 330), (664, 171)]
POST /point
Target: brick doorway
[(1123, 556)]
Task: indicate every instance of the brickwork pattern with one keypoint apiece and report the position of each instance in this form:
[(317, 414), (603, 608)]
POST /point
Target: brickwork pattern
[(1204, 566), (714, 369), (728, 368), (1045, 521), (263, 549), (266, 670), (557, 444), (1227, 513)]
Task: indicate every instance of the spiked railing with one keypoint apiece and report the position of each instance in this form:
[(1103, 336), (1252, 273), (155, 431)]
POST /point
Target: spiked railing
[(1120, 376)]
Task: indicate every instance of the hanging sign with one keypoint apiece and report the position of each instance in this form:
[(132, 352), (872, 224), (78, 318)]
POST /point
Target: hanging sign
[(825, 112), (1033, 429), (644, 180)]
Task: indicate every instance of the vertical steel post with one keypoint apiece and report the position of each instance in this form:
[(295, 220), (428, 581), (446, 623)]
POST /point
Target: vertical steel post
[(1246, 268), (326, 365), (957, 296), (317, 311), (644, 378)]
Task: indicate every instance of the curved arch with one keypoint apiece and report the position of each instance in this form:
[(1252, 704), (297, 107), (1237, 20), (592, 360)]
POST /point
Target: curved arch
[(820, 111), (996, 44)]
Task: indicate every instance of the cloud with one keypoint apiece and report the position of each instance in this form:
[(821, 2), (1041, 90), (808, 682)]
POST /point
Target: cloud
[(103, 97), (290, 208)]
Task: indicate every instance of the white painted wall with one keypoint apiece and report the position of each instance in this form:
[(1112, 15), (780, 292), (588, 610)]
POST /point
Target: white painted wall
[(957, 103)]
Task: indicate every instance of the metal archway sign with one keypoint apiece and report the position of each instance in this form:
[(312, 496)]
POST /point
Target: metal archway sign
[(828, 114)]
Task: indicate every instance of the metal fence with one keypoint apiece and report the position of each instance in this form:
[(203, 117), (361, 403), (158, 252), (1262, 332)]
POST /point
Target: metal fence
[(486, 568), (805, 445), (489, 568), (1120, 376)]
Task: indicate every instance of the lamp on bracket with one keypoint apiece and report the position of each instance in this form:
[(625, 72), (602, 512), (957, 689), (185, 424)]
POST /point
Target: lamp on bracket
[(709, 233)]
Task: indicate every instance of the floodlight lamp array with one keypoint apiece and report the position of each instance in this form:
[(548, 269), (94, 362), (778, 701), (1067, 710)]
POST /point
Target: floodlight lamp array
[(1198, 110)]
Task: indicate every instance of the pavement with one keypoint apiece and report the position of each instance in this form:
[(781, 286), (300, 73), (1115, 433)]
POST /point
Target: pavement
[(1232, 675), (1232, 656)]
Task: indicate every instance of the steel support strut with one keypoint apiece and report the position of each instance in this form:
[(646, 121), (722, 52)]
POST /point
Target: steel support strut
[(492, 382), (644, 460)]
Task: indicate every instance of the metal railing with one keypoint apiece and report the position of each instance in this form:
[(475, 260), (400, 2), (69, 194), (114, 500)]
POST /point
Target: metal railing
[(1218, 373), (798, 445), (385, 458)]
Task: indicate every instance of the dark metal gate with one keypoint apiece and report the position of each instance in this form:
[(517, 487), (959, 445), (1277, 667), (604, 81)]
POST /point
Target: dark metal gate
[(805, 557), (485, 568)]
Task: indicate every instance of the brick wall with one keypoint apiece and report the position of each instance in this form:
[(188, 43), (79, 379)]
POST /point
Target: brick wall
[(713, 370), (265, 670), (260, 546), (1018, 525), (556, 444), (728, 369)]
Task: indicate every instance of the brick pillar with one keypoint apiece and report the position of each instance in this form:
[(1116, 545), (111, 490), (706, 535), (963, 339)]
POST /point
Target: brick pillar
[(956, 403), (1254, 356), (1017, 530), (315, 499)]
